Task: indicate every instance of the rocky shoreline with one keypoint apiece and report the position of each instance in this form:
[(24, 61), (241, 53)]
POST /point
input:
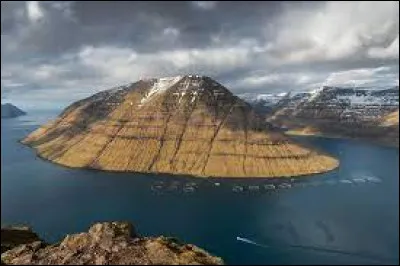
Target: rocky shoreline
[(115, 243)]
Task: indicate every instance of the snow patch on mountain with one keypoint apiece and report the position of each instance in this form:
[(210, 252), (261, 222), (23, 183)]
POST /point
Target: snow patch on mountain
[(160, 86), (266, 99)]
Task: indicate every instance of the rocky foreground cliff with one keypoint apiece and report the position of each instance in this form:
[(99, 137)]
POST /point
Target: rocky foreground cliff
[(189, 125), (114, 243)]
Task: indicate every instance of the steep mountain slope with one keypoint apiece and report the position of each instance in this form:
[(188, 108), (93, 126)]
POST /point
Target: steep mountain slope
[(181, 125), (10, 111), (356, 113), (391, 119), (340, 104)]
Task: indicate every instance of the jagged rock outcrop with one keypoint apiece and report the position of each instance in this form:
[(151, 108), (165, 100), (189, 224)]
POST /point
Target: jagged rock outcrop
[(12, 237), (114, 243), (180, 125), (10, 111)]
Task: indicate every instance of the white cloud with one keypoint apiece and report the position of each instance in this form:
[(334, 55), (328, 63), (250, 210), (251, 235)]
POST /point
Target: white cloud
[(363, 77), (336, 31), (171, 32), (283, 80), (103, 67), (34, 10), (218, 58), (207, 5), (261, 80)]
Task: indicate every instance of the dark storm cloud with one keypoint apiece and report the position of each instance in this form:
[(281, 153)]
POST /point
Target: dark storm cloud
[(137, 24), (70, 48)]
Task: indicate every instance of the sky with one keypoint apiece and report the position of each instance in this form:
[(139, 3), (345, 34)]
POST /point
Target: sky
[(54, 53)]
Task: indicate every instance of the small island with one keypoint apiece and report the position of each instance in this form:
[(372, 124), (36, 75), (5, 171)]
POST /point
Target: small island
[(10, 111)]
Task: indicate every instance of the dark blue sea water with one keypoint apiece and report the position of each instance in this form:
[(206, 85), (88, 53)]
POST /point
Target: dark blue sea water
[(354, 209)]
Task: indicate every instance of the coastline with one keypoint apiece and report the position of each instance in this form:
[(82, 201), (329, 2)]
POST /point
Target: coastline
[(379, 142), (203, 177)]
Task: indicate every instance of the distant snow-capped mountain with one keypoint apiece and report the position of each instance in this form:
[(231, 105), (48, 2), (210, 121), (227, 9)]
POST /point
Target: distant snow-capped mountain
[(263, 103), (347, 112), (340, 103)]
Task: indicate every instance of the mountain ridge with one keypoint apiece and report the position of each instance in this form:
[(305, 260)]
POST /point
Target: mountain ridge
[(340, 112)]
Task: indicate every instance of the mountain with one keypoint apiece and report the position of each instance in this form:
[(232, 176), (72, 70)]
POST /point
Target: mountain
[(342, 104), (188, 125), (263, 103), (108, 243), (10, 111), (342, 112)]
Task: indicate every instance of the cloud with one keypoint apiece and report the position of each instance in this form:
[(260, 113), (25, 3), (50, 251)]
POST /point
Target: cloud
[(34, 11), (279, 81), (337, 30), (207, 5), (392, 51), (64, 50), (172, 32), (363, 77)]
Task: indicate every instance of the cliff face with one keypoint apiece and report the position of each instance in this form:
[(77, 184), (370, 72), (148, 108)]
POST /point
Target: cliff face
[(341, 104), (356, 113), (106, 243), (180, 125), (10, 111)]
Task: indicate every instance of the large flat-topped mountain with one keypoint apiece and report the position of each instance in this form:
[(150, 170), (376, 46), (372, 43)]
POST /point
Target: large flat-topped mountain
[(181, 125)]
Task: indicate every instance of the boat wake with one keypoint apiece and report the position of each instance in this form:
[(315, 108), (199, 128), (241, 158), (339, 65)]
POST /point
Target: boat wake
[(248, 241), (320, 249)]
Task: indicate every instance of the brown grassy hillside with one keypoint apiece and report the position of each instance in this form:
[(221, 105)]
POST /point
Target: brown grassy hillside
[(391, 119), (183, 125)]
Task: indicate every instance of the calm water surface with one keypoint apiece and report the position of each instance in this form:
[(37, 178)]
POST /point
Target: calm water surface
[(354, 209)]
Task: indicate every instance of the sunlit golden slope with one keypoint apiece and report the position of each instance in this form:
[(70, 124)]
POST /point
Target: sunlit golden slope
[(181, 125), (391, 119)]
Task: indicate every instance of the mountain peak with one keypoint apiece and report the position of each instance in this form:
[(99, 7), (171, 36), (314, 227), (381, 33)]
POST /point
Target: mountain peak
[(181, 86), (187, 125)]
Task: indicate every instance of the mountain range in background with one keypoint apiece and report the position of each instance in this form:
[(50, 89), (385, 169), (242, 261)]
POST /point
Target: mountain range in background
[(336, 112), (10, 111)]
